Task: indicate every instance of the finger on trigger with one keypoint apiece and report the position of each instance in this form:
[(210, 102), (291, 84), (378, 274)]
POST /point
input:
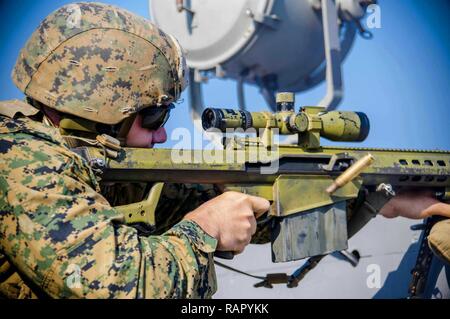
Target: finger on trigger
[(259, 205)]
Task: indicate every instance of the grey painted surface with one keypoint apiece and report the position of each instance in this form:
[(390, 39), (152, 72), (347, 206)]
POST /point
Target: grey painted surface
[(387, 243), (233, 36)]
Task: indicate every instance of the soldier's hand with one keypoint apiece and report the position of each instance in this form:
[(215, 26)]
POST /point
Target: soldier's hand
[(230, 218), (415, 205)]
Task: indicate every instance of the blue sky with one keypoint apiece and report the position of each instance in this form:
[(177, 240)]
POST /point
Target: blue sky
[(401, 78)]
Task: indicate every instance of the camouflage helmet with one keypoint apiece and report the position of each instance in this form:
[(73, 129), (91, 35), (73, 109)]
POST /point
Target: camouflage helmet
[(100, 62)]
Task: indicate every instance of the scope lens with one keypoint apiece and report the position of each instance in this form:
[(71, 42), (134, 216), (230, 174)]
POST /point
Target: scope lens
[(365, 126), (212, 118)]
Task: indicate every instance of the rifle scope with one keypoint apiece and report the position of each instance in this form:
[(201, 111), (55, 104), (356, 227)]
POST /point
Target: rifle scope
[(334, 125)]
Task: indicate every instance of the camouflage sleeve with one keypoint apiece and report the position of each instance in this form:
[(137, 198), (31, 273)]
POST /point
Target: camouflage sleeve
[(67, 240), (439, 239)]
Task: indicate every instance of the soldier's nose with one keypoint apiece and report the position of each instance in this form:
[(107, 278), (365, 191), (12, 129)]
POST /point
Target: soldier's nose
[(159, 136)]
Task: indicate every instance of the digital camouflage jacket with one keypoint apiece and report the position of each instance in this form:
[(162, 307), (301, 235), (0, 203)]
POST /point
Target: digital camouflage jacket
[(59, 237)]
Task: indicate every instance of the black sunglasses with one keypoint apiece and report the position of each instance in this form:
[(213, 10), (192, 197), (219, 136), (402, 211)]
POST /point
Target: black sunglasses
[(155, 117)]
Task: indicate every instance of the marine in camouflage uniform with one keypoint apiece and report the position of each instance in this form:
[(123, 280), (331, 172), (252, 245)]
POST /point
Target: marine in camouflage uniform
[(59, 237)]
